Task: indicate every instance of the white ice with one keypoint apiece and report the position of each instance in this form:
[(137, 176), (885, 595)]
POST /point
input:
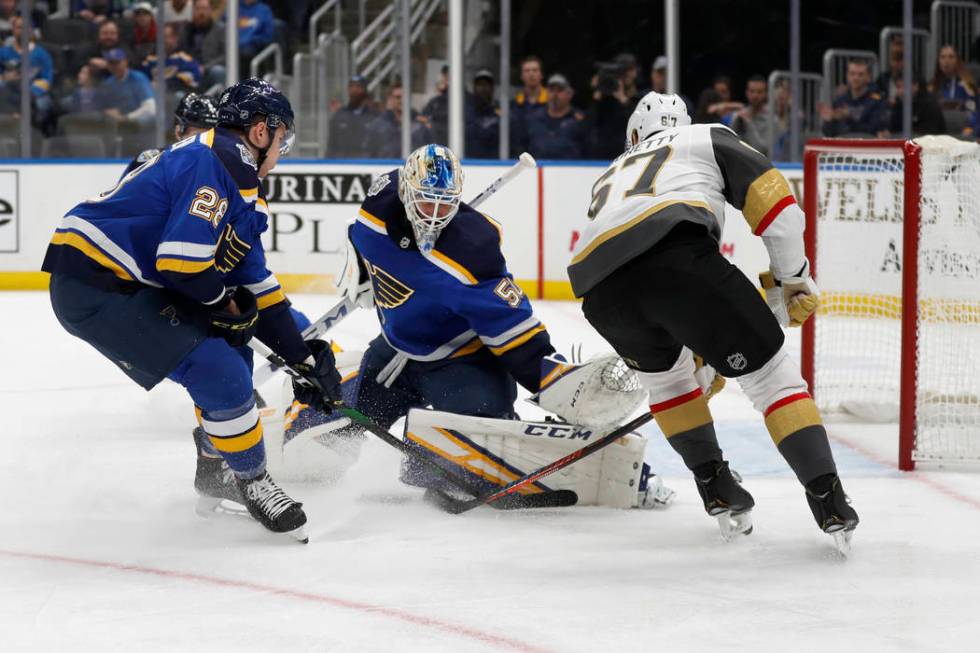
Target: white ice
[(100, 549)]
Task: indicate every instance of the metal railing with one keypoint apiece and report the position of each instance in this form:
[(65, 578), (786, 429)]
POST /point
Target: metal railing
[(320, 13), (273, 50), (373, 52), (956, 23), (923, 56), (835, 69), (317, 77), (779, 125)]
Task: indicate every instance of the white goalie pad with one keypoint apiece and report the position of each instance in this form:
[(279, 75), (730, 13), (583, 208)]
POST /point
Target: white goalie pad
[(601, 392), (311, 454), (500, 451)]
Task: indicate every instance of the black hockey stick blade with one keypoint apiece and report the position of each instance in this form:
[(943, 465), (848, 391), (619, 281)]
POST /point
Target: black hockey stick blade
[(547, 499), (456, 506)]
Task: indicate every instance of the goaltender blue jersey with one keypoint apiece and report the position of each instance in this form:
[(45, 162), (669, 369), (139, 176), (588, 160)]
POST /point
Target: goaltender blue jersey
[(452, 301), (189, 219)]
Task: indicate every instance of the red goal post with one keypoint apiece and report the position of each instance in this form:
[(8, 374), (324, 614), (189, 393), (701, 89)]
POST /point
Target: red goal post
[(890, 343)]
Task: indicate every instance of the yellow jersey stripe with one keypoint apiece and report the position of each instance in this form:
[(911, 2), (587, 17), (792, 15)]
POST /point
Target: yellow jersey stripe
[(454, 265), (518, 341), (249, 194), (271, 299), (373, 219), (88, 249), (208, 137), (182, 266), (470, 347)]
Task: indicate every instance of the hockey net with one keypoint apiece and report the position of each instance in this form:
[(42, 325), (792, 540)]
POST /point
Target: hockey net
[(895, 249)]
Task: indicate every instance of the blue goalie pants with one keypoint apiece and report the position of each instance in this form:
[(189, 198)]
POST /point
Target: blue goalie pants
[(151, 334), (475, 384)]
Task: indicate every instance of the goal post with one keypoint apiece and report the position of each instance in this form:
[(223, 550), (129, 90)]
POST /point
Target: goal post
[(893, 238)]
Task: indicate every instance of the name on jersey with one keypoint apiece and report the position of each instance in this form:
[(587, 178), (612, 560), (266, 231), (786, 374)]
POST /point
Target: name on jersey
[(559, 431), (325, 188)]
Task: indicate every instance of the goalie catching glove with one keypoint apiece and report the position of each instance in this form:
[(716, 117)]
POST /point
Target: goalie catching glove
[(601, 392), (791, 299)]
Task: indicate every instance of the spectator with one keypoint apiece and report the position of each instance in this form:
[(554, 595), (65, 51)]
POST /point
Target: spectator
[(349, 124), (94, 11), (85, 97), (715, 104), (177, 11), (559, 131), (952, 83), (435, 113), (383, 135), (753, 123), (296, 13), (608, 116), (204, 40), (658, 80), (483, 119), (127, 93), (532, 98), (41, 65), (859, 109), (107, 39), (255, 27), (8, 9), (144, 36), (896, 62), (927, 115), (629, 71), (181, 72)]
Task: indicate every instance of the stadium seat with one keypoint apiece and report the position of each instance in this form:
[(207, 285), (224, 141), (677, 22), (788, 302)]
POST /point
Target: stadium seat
[(73, 147), (68, 31), (91, 124), (956, 121), (134, 138), (9, 148)]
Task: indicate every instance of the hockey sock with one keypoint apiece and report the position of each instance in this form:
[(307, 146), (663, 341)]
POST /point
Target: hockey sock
[(237, 435), (686, 421), (795, 426)]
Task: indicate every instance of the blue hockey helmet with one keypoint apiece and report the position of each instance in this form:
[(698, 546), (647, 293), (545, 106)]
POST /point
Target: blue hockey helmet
[(253, 100), (196, 110)]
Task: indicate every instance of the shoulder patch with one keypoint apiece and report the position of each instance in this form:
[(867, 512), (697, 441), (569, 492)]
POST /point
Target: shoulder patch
[(246, 155), (378, 184), (235, 158)]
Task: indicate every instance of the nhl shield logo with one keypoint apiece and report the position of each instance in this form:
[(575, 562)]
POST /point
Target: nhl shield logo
[(737, 361)]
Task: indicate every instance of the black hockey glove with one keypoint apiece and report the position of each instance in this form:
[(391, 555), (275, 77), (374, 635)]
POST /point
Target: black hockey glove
[(237, 330), (325, 387)]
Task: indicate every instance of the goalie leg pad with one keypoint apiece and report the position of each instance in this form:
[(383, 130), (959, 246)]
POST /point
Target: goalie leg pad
[(493, 452), (778, 392)]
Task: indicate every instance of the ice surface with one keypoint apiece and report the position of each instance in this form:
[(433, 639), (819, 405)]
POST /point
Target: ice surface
[(100, 548)]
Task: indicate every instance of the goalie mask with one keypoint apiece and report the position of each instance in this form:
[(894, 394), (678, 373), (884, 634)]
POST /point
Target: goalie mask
[(429, 185), (654, 113)]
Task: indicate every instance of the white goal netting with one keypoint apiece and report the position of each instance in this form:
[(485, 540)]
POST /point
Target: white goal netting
[(858, 339)]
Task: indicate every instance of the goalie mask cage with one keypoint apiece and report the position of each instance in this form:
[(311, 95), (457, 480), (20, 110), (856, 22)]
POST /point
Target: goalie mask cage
[(893, 237)]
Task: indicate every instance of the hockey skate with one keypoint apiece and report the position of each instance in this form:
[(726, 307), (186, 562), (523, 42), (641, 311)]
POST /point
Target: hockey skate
[(215, 484), (272, 507), (724, 498), (832, 510)]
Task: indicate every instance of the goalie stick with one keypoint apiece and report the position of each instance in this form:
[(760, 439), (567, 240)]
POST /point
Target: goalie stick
[(457, 506), (551, 499), (346, 306)]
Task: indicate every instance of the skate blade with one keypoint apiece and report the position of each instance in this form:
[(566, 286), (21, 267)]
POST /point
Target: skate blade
[(731, 525), (299, 534), (208, 507), (842, 540)]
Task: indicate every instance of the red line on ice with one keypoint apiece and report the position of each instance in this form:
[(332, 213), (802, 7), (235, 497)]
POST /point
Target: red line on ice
[(917, 476), (497, 641)]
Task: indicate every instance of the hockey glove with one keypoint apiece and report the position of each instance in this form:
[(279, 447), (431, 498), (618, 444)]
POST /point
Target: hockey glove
[(321, 386), (791, 299), (238, 329)]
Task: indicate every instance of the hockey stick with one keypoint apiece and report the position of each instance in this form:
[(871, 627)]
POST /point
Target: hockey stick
[(551, 499), (456, 506), (343, 308)]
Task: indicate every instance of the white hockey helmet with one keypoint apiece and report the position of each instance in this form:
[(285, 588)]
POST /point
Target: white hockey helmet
[(656, 112), (429, 185)]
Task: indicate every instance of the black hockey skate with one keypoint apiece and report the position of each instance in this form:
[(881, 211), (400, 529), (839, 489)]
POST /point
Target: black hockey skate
[(724, 498), (215, 483), (832, 510), (272, 507)]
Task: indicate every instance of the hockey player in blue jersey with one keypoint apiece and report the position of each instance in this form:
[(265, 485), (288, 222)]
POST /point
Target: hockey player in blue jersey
[(194, 114), (165, 275)]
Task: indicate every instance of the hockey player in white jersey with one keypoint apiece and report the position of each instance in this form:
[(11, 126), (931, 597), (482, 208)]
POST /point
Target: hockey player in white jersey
[(657, 288)]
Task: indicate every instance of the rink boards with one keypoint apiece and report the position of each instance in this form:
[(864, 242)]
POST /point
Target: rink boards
[(542, 212)]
